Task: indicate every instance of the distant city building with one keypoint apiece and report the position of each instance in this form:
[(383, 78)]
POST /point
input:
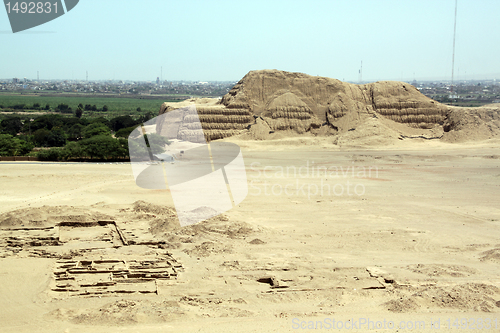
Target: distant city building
[(468, 93)]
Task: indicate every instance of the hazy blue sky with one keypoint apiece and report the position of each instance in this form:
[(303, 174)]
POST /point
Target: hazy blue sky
[(223, 40)]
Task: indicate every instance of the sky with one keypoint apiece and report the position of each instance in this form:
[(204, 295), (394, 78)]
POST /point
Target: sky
[(203, 40)]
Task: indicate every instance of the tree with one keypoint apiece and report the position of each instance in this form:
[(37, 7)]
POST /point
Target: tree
[(52, 154), (79, 112), (122, 150), (45, 121), (124, 132), (12, 146), (94, 108), (138, 109), (94, 130), (56, 138), (121, 122), (25, 147), (63, 107), (18, 106), (47, 107), (137, 151), (155, 139), (75, 132), (12, 125), (148, 116), (100, 146), (40, 136), (143, 118), (9, 146), (101, 120), (105, 108), (72, 150)]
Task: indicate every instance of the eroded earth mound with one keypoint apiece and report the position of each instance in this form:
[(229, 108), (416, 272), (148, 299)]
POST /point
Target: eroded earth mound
[(272, 100)]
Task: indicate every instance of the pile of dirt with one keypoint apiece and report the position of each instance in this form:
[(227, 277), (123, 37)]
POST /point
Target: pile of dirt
[(123, 312), (478, 297), (491, 255), (50, 215), (205, 249), (160, 221), (207, 237), (266, 101), (443, 270), (159, 226), (472, 124), (401, 305), (218, 226), (315, 100), (148, 208)]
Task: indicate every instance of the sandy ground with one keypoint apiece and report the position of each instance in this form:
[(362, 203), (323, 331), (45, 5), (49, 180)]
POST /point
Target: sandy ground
[(412, 235)]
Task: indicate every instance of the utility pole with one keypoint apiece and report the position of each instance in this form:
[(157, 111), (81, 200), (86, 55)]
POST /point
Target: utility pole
[(453, 56), (361, 73)]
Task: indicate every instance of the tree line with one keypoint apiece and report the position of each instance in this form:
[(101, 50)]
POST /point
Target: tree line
[(61, 107), (67, 138)]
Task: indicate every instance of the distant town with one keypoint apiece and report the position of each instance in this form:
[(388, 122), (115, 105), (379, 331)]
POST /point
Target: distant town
[(464, 93), (111, 87)]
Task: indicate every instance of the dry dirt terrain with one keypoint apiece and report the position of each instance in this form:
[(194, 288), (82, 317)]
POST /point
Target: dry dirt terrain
[(406, 233)]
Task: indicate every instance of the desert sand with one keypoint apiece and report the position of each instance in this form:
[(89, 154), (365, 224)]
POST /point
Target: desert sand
[(369, 208), (415, 240)]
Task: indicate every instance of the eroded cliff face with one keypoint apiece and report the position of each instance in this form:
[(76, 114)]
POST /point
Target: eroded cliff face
[(217, 121), (403, 103), (299, 101), (304, 103)]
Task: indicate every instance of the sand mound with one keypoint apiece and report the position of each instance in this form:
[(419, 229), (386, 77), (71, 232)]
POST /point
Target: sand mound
[(491, 255), (144, 207), (123, 312), (266, 101), (468, 124), (205, 249), (477, 297), (49, 216), (443, 270), (317, 101)]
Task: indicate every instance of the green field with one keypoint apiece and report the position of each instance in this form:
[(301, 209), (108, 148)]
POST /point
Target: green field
[(117, 106)]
